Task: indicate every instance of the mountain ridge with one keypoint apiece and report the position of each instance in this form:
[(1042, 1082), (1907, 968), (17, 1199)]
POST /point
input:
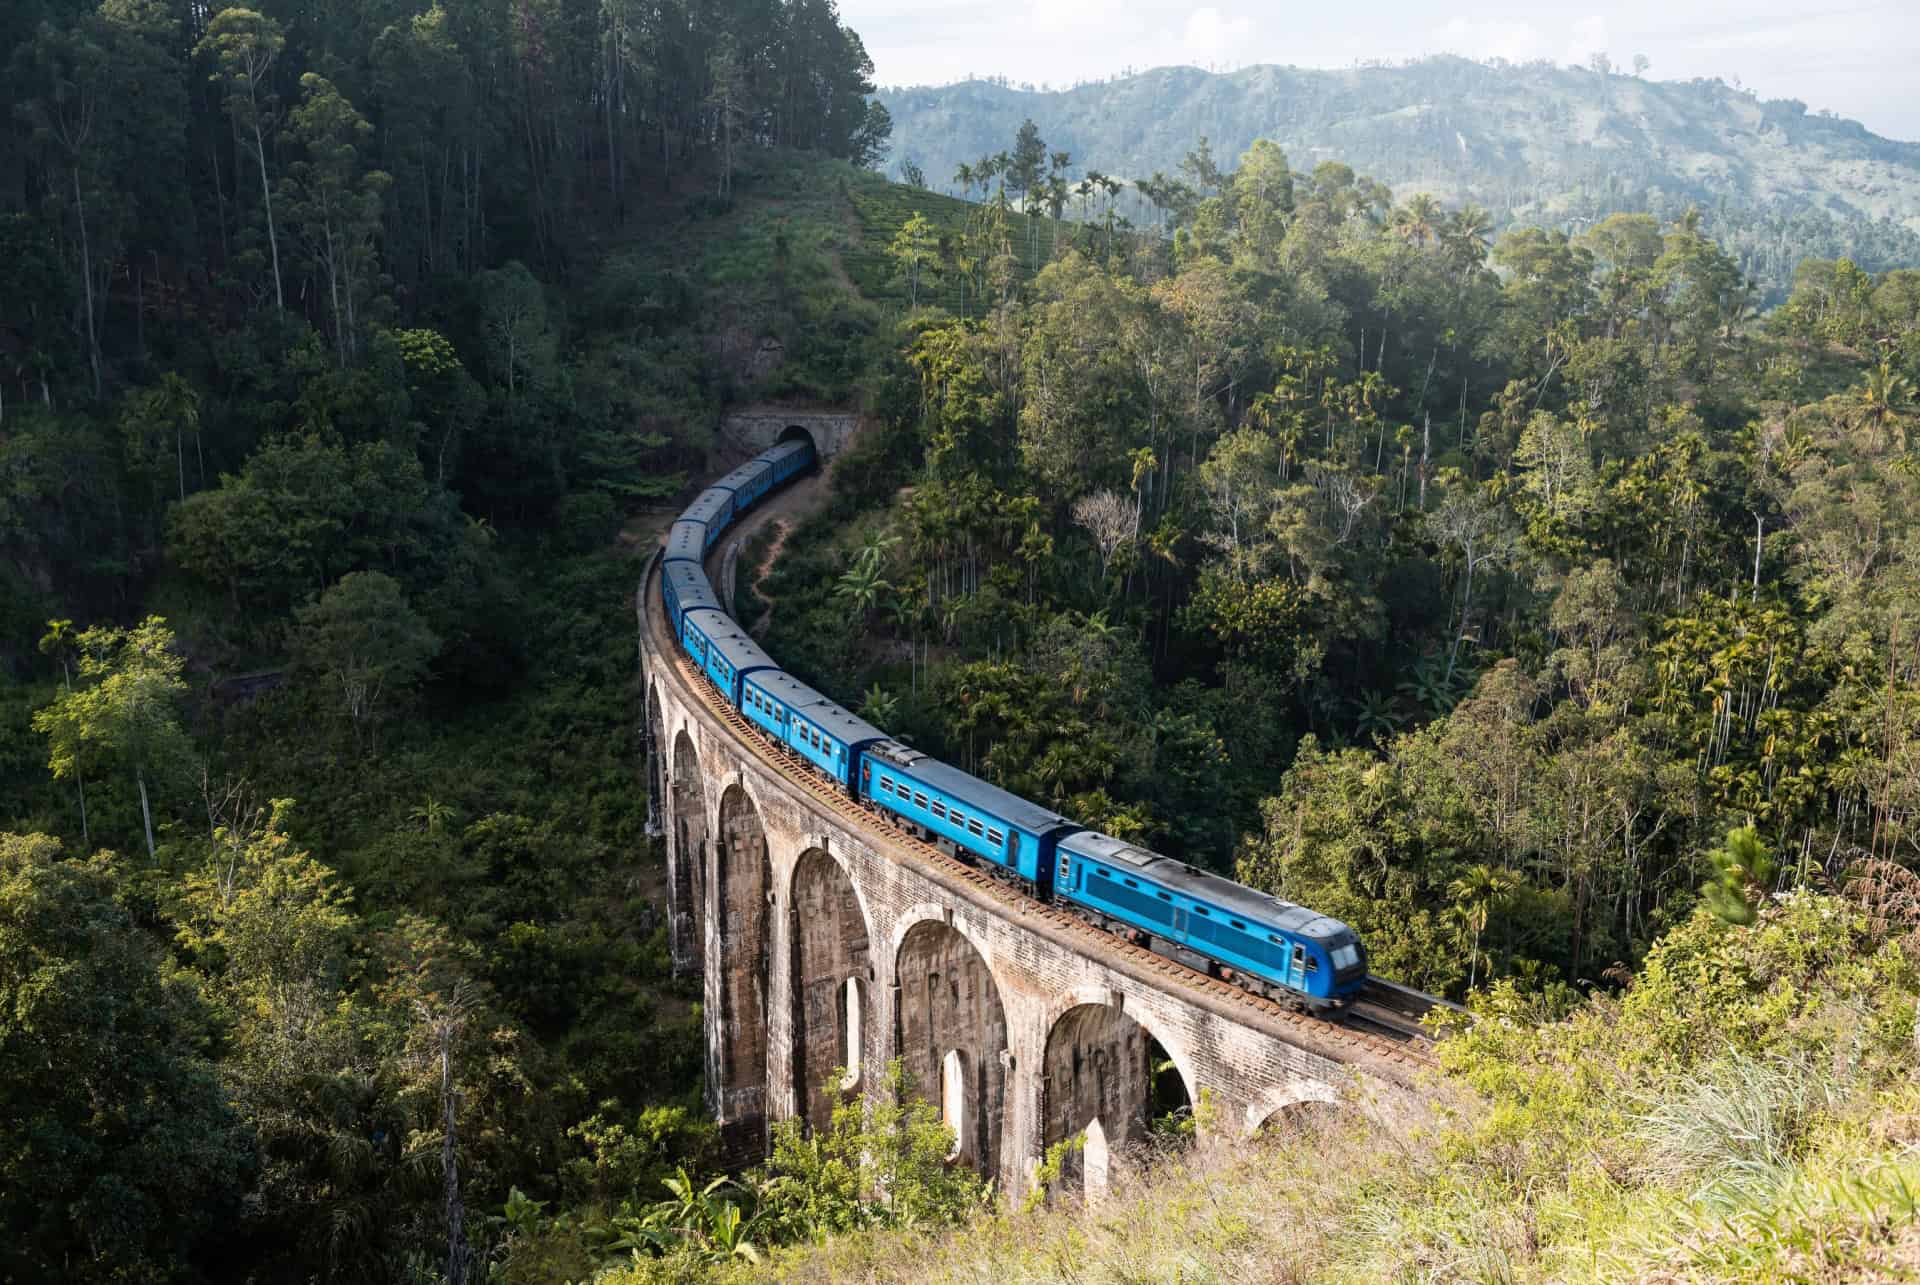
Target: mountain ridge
[(1534, 143)]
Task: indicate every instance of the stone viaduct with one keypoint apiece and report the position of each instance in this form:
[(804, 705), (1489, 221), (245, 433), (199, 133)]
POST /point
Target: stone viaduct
[(828, 939)]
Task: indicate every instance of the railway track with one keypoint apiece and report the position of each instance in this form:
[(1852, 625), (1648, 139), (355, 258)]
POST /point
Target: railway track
[(1381, 1022)]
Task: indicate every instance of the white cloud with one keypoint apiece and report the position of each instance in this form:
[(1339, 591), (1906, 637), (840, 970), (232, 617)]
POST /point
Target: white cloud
[(1211, 37)]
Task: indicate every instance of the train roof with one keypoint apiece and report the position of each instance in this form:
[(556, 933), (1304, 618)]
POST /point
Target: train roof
[(1179, 877), (687, 542), (818, 709), (752, 471), (968, 788), (690, 585), (707, 506), (798, 446), (725, 636)]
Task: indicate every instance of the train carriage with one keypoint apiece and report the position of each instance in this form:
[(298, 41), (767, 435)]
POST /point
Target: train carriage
[(686, 542), (685, 587), (807, 723), (723, 651), (713, 510), (967, 812), (1259, 936), (788, 459), (748, 483)]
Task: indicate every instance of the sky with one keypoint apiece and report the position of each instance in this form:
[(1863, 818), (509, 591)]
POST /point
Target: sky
[(1857, 60)]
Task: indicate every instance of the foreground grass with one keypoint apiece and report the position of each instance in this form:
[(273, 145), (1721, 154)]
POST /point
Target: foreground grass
[(1746, 1111)]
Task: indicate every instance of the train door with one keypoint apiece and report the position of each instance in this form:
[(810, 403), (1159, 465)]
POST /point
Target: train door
[(1297, 971)]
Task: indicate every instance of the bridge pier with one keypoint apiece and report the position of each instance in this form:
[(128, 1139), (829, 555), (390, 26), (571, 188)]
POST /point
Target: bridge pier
[(825, 940)]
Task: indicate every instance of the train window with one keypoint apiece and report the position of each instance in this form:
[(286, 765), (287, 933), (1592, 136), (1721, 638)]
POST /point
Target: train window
[(973, 827), (886, 786), (957, 817), (1166, 896), (1066, 865), (1237, 924), (939, 809), (1130, 883), (1313, 963), (1278, 941), (919, 799), (996, 838), (1201, 910)]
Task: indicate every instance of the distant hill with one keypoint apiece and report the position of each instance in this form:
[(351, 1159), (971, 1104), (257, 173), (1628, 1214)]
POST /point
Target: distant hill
[(1533, 143)]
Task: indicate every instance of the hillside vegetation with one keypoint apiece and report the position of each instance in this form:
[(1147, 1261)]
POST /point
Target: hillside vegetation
[(1744, 1112), (1534, 144)]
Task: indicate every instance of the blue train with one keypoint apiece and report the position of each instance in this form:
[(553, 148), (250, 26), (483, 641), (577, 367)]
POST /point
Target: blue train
[(1261, 943)]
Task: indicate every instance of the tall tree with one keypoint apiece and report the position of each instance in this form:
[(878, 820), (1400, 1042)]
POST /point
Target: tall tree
[(244, 45), (334, 204)]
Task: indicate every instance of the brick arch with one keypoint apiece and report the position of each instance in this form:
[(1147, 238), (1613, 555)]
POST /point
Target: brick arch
[(743, 879), (950, 1000), (688, 831), (1097, 1077), (1170, 1043), (832, 939), (1297, 1095)]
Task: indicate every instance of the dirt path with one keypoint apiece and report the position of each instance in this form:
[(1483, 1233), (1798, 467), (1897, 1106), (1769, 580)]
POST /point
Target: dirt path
[(786, 510)]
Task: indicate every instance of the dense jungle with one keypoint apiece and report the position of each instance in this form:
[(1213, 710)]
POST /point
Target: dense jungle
[(1537, 604)]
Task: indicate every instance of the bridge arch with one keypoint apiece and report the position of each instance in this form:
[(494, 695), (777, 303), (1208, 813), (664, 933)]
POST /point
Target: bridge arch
[(1298, 1101), (743, 877), (1099, 1078), (833, 978), (687, 856), (949, 1004)]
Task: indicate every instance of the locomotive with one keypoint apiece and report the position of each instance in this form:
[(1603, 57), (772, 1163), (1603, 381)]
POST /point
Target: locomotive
[(1256, 941)]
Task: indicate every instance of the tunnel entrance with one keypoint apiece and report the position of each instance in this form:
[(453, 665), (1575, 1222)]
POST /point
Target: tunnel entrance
[(831, 972), (795, 433), (952, 1038), (687, 861), (745, 880), (1106, 1077)]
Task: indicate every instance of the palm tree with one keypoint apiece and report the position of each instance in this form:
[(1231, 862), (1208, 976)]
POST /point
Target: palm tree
[(863, 587), (175, 402), (1374, 716), (964, 176), (1418, 221), (1881, 399), (879, 706), (1466, 235), (1477, 893)]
